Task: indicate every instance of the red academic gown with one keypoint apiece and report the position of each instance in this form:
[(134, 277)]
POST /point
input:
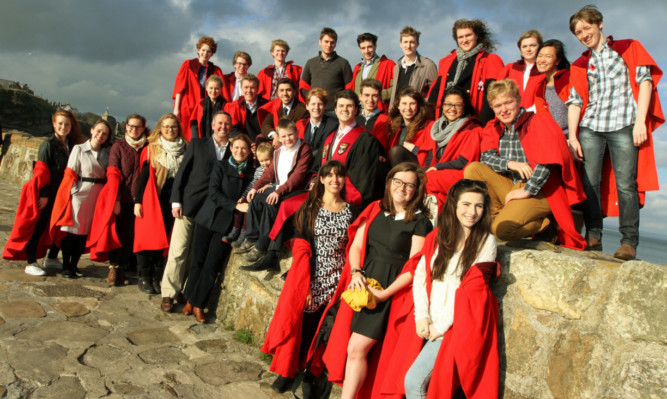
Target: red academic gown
[(465, 142), (188, 86), (385, 73), (562, 86), (334, 356), (283, 337), (149, 230), (27, 215), (468, 355), (198, 114), (515, 72), (102, 237), (265, 77), (379, 131), (543, 143), (62, 214), (487, 66), (634, 54), (271, 107), (423, 142)]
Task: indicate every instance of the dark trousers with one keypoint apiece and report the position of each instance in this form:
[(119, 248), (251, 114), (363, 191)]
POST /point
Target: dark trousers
[(150, 264), (73, 247), (209, 257), (42, 224), (124, 255), (260, 218)]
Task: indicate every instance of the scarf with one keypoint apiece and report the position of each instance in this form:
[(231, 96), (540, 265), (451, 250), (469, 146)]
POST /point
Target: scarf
[(239, 166), (172, 155), (443, 130), (462, 58), (208, 109), (136, 144)]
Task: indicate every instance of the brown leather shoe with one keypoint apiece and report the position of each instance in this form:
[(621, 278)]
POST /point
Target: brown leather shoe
[(187, 309), (167, 304), (625, 252), (112, 277), (593, 244), (199, 314)]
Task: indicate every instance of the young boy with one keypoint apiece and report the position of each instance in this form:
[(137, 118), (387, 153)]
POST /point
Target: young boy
[(264, 154), (288, 173), (202, 116)]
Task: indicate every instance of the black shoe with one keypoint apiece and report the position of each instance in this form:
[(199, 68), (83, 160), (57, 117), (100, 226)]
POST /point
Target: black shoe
[(68, 274), (284, 275), (266, 263), (78, 272), (145, 285), (254, 255), (157, 286), (282, 384), (232, 236)]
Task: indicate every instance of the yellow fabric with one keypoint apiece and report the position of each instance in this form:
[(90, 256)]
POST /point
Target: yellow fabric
[(359, 299)]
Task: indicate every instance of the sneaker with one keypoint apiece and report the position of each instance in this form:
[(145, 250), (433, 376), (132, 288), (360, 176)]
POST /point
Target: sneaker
[(52, 264), (33, 269)]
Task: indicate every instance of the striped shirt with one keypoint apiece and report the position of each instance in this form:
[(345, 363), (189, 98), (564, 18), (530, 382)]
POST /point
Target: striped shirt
[(611, 105), (509, 149)]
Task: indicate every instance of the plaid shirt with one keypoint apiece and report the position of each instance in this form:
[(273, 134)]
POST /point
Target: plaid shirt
[(611, 105), (509, 149)]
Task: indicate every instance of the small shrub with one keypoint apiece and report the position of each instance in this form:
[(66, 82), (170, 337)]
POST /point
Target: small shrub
[(244, 336)]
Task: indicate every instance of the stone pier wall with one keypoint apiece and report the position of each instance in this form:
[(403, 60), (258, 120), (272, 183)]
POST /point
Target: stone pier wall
[(19, 151)]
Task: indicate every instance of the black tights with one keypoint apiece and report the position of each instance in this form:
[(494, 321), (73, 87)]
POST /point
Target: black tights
[(398, 154), (73, 246), (32, 244)]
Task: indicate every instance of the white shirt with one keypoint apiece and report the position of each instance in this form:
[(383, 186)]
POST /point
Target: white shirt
[(285, 162), (219, 149), (286, 110), (341, 133), (440, 308), (237, 88)]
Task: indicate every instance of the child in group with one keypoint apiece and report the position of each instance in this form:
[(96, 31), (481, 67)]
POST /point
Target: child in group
[(202, 116), (263, 157)]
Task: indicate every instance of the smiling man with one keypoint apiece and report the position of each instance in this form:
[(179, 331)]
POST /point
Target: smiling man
[(412, 69), (614, 107), (372, 66), (328, 70), (269, 76), (242, 61), (528, 170), (286, 105)]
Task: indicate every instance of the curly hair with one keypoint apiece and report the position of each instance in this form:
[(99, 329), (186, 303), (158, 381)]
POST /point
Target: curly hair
[(209, 41), (480, 29)]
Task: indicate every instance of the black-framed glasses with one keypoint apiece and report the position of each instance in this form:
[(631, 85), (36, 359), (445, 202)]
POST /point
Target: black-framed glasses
[(396, 182), (451, 105)]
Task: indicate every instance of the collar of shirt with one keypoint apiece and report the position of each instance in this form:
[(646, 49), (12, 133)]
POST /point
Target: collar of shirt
[(251, 107), (289, 107), (219, 149), (333, 57), (342, 132), (369, 63), (404, 63), (292, 150), (312, 124), (605, 46), (512, 130), (372, 114)]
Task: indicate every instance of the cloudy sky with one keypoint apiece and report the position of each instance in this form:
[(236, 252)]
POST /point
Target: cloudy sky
[(125, 54)]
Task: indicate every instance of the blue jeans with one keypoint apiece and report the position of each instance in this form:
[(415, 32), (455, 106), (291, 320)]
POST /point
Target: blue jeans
[(419, 375), (623, 155)]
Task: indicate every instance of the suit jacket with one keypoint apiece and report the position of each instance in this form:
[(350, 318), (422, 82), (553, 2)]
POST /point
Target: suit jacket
[(327, 126), (296, 179), (272, 112), (224, 190), (192, 179)]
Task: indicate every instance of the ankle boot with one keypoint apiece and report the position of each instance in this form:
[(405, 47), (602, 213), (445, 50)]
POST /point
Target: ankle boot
[(145, 280), (112, 277)]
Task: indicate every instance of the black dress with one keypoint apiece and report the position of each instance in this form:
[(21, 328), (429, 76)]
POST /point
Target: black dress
[(387, 249)]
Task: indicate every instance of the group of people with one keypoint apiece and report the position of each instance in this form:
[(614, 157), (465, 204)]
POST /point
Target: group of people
[(389, 182)]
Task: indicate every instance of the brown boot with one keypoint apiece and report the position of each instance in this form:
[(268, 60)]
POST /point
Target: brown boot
[(112, 277), (626, 252)]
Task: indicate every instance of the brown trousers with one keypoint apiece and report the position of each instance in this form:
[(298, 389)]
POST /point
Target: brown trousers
[(518, 218)]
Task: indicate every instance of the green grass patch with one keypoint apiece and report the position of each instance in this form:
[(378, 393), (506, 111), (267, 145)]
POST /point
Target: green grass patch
[(244, 336)]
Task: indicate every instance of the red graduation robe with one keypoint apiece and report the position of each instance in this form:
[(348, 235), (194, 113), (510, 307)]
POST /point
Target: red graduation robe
[(102, 236)]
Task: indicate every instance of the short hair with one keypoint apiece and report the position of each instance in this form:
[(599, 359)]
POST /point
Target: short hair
[(208, 41), (410, 31), (528, 34), (367, 37), (589, 14), (215, 78), (318, 92), (372, 83), (242, 137), (563, 62), (281, 43), (286, 124), (505, 87), (480, 29), (221, 112), (250, 78), (286, 81), (349, 95), (326, 31), (265, 147), (244, 55)]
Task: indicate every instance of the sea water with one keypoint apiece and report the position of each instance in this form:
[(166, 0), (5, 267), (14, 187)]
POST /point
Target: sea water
[(652, 247)]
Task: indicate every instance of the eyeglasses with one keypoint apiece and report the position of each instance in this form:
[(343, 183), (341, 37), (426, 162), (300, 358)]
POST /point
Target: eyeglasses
[(400, 183), (165, 127), (450, 105), (132, 127)]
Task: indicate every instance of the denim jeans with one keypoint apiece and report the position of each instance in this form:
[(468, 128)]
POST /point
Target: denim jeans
[(419, 375), (623, 155)]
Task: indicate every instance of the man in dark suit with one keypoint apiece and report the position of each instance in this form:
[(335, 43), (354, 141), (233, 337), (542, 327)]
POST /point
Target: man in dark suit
[(188, 195), (286, 105)]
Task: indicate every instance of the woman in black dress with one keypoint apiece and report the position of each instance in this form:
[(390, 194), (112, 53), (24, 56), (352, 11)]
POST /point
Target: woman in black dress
[(393, 235)]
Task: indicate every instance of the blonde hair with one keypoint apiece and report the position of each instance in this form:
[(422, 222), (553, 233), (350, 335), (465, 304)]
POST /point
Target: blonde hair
[(506, 87)]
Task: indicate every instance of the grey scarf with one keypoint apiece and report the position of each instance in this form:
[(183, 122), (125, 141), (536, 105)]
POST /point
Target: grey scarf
[(172, 154), (462, 58), (442, 130)]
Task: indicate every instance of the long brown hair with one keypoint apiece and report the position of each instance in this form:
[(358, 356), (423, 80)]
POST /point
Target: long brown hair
[(154, 137), (449, 230), (417, 201), (396, 119), (305, 217), (75, 136)]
